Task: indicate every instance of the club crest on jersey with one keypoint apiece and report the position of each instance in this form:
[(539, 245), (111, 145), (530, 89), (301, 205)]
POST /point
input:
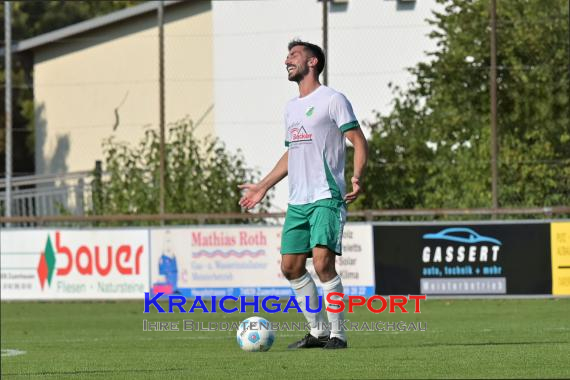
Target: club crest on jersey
[(309, 111), (300, 134)]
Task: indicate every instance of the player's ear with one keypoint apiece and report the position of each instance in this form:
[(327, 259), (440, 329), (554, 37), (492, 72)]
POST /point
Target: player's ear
[(313, 62)]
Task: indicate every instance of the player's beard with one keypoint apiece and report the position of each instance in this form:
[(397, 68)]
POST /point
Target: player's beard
[(301, 72)]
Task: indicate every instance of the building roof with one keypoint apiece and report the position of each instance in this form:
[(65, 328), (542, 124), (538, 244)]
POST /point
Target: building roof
[(86, 26)]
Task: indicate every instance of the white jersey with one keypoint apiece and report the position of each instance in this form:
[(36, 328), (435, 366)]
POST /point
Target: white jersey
[(314, 126)]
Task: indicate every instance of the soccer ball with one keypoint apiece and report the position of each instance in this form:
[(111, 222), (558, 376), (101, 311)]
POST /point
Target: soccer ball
[(255, 334)]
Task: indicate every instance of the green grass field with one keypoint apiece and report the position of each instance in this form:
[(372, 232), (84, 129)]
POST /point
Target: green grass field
[(480, 338)]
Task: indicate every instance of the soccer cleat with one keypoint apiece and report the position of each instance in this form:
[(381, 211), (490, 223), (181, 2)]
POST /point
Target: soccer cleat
[(335, 343), (310, 341)]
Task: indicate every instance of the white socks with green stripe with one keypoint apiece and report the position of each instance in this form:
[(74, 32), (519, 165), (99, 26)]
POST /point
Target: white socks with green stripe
[(335, 319), (305, 286)]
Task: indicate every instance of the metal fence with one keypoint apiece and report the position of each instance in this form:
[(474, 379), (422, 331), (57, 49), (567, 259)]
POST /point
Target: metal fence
[(68, 200), (558, 212), (49, 195)]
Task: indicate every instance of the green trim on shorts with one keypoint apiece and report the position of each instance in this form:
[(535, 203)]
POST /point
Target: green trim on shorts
[(309, 225)]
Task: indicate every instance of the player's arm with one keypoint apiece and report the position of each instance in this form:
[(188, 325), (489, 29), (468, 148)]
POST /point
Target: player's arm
[(356, 137), (256, 191)]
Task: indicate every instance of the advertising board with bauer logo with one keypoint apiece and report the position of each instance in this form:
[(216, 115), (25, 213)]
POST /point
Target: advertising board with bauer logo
[(206, 261), (74, 264)]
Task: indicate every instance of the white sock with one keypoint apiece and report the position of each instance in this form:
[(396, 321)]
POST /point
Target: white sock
[(305, 286), (335, 319)]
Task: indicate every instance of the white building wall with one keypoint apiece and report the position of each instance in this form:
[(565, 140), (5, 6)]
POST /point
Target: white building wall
[(371, 43)]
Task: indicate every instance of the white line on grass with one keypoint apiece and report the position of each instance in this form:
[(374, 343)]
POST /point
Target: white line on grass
[(8, 352)]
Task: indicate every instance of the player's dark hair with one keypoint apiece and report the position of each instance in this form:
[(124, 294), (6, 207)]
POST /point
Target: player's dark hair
[(315, 50)]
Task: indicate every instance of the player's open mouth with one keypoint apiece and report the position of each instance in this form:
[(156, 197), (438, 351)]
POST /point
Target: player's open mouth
[(290, 68)]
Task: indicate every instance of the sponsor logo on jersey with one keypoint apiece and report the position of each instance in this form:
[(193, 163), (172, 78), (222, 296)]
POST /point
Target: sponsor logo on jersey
[(300, 134)]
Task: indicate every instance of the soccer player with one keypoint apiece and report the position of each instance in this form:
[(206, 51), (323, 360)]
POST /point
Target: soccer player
[(316, 124)]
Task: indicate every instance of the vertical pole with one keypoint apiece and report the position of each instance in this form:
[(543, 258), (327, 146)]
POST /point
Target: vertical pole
[(8, 104), (326, 40), (161, 102), (97, 188), (493, 88)]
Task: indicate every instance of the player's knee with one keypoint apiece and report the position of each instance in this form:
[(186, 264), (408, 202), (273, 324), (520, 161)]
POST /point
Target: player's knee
[(325, 271), (291, 270)]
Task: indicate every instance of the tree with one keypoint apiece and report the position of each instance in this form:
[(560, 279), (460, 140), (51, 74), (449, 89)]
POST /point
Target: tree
[(201, 176), (432, 149)]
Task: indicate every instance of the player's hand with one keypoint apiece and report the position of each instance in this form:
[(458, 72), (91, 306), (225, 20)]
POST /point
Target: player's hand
[(253, 195), (356, 190)]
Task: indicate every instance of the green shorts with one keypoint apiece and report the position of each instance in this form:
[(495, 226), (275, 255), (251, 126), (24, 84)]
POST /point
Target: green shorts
[(309, 225)]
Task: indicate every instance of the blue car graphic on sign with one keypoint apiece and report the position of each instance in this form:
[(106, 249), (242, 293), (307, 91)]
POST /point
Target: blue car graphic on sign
[(461, 235)]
